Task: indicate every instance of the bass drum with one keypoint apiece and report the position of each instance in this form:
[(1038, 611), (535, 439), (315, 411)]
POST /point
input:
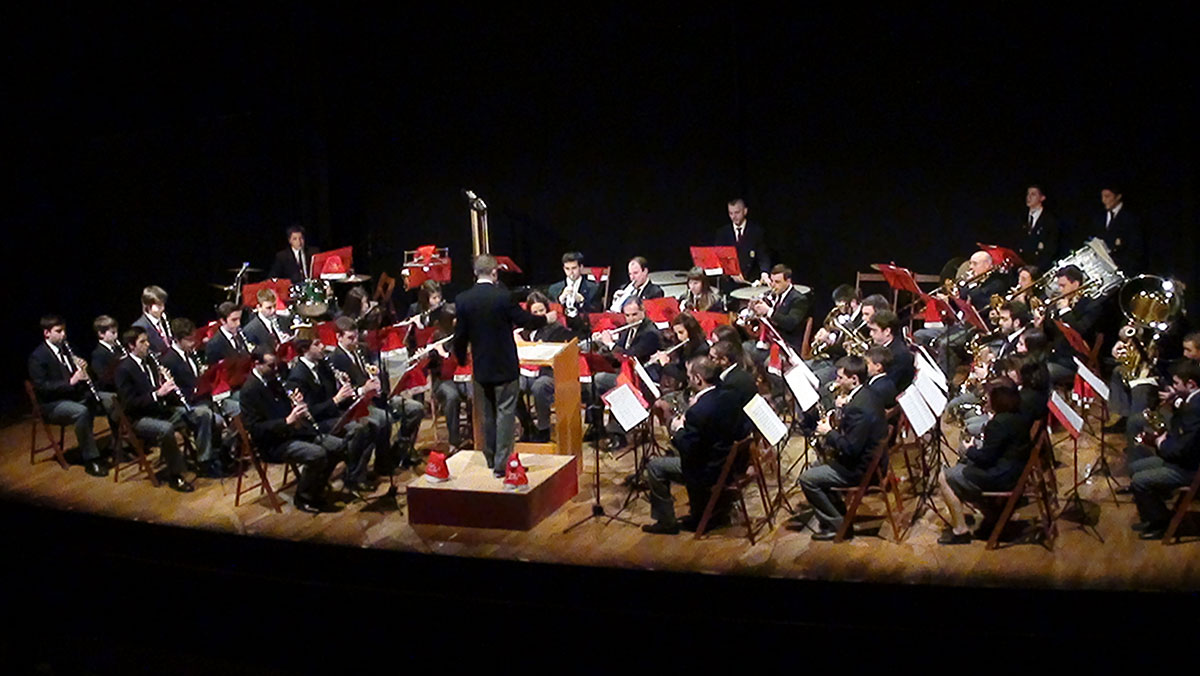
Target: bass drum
[(311, 298)]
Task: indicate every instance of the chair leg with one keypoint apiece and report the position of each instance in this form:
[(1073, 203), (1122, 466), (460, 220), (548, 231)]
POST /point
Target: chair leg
[(746, 516), (1181, 509), (851, 511), (708, 512), (1009, 506)]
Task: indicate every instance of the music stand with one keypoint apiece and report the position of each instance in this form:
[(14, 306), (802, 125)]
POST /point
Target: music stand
[(424, 263), (661, 310), (597, 505), (717, 260), (321, 260), (1002, 257)]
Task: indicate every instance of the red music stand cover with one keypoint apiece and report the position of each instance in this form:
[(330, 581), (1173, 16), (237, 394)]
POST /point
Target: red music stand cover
[(507, 264), (709, 321), (281, 287), (319, 261), (598, 363), (415, 274), (227, 374), (356, 411), (203, 333), (392, 338), (900, 279), (661, 310), (326, 333), (1077, 342), (600, 321), (1001, 256), (971, 315), (717, 260)]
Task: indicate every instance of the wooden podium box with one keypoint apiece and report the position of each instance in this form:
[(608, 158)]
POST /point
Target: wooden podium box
[(474, 498), (566, 437)]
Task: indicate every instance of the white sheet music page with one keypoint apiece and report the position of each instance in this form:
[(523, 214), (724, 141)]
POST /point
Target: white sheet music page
[(1092, 379), (916, 410), (650, 384), (765, 419), (531, 352), (625, 407), (798, 363), (930, 392), (1065, 414), (925, 361), (797, 382)]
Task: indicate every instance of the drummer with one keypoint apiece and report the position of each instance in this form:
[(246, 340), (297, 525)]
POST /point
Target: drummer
[(639, 285)]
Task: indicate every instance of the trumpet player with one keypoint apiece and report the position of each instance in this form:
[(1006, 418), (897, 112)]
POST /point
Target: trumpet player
[(786, 309), (1074, 309), (151, 401), (1155, 475), (576, 293), (60, 387)]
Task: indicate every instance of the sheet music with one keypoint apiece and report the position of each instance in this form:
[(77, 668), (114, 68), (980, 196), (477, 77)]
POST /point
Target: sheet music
[(930, 392), (916, 410), (1092, 379), (765, 419), (806, 395), (712, 272), (1067, 415), (925, 362), (625, 407), (650, 384), (530, 352), (808, 373)]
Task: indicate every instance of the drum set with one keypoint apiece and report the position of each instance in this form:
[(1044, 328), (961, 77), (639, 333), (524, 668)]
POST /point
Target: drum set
[(310, 300)]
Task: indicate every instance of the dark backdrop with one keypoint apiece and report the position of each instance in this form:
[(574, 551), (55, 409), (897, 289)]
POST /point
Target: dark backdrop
[(161, 145)]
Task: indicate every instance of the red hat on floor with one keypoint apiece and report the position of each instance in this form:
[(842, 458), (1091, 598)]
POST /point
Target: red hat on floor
[(435, 468), (514, 476)]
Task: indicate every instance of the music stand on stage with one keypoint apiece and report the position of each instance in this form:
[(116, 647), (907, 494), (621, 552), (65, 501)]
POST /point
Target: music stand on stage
[(717, 260)]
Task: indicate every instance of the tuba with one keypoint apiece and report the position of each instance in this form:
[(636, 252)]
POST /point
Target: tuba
[(1150, 303)]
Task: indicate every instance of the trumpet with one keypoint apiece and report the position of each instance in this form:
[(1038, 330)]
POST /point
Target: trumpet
[(81, 365)]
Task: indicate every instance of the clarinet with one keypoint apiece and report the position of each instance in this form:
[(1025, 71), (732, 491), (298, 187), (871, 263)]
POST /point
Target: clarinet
[(166, 376), (82, 366)]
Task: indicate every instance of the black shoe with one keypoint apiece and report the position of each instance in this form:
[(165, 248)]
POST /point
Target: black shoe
[(616, 441), (213, 469), (1141, 526), (1153, 532), (540, 436), (824, 535), (315, 506), (180, 484), (660, 528), (95, 468), (1116, 426), (949, 537), (365, 486)]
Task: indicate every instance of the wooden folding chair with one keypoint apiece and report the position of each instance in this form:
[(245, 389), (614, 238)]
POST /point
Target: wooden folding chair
[(1029, 484), (1186, 496), (140, 460), (874, 480), (248, 458), (39, 419), (735, 485)]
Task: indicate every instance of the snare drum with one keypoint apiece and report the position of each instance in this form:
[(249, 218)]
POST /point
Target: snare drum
[(311, 298)]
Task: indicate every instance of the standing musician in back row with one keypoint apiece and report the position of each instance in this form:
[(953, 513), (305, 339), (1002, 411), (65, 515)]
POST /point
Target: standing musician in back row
[(295, 262), (639, 286), (154, 318), (1039, 231), (753, 257)]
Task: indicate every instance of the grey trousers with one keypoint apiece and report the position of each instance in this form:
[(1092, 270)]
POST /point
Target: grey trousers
[(316, 461), (161, 433), (1153, 480), (452, 395), (65, 412), (499, 402), (817, 482)]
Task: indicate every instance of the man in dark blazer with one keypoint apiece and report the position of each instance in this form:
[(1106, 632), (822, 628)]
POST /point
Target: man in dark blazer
[(487, 314), (703, 438), (753, 257), (283, 432), (787, 309), (1123, 232), (861, 429), (154, 319), (152, 405), (1178, 459), (61, 391), (1038, 244), (1077, 311), (228, 340), (885, 331), (263, 328), (728, 356), (107, 354), (180, 361), (583, 292), (879, 359), (639, 286), (295, 262)]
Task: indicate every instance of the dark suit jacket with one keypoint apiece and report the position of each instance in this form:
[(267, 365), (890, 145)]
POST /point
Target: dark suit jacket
[(981, 295), (259, 334), (265, 411), (136, 392), (741, 382), (587, 288), (1004, 451), (219, 347), (647, 340), (753, 256), (1039, 247), (104, 367), (1182, 445), (285, 267), (884, 390), (862, 427), (181, 372), (487, 314), (1035, 404), (318, 395), (1126, 239), (50, 378), (789, 317), (903, 368), (649, 291), (156, 342), (710, 428)]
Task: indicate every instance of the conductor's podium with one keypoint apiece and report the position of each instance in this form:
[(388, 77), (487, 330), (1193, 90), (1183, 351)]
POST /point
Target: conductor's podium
[(474, 498)]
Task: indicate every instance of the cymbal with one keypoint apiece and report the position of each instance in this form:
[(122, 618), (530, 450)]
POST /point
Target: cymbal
[(674, 290), (352, 279), (669, 277), (236, 270), (223, 287)]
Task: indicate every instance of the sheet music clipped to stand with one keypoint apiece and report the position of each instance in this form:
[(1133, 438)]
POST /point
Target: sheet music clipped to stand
[(765, 419), (625, 407)]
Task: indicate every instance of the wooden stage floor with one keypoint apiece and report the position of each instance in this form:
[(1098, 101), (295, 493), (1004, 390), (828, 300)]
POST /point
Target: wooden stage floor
[(1079, 559)]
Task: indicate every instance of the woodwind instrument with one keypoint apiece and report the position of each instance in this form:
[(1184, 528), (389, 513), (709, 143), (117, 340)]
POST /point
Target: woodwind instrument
[(297, 398), (81, 365), (165, 374)]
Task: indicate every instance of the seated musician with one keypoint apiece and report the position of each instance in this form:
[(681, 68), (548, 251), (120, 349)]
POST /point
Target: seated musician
[(364, 312), (328, 398), (786, 309), (689, 342), (452, 388), (425, 312), (264, 328), (228, 341), (349, 358), (848, 447), (879, 359), (994, 463), (61, 390), (283, 431), (985, 280), (154, 318), (885, 331), (1154, 476), (828, 343), (1076, 310), (180, 362), (640, 341), (295, 262), (735, 369), (154, 407), (700, 296), (872, 304), (1026, 276), (540, 385), (1129, 400), (1032, 379), (702, 438), (576, 293), (639, 286)]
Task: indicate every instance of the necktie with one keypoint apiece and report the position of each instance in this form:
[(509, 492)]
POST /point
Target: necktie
[(239, 343), (1031, 221), (737, 232), (629, 338), (62, 358), (149, 374), (1111, 215), (192, 363)]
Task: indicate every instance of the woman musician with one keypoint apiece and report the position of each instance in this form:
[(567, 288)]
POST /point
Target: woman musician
[(700, 296)]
